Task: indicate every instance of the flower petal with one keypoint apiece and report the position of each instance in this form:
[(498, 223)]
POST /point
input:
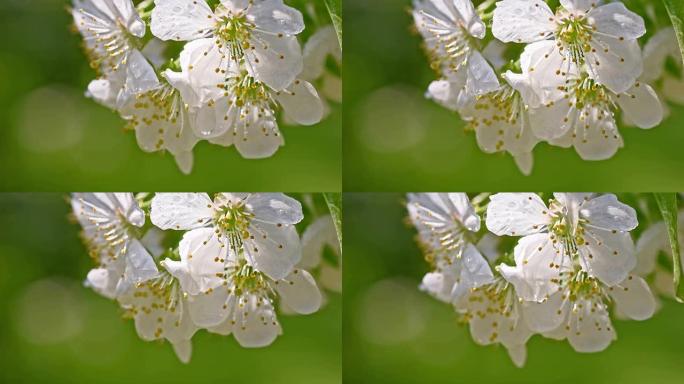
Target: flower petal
[(590, 329), (606, 212), (516, 214), (256, 324), (183, 350), (301, 103), (299, 292), (615, 20), (481, 77), (614, 63), (275, 208), (272, 249), (181, 211), (212, 308), (520, 21), (641, 106), (206, 256), (181, 20), (606, 255), (633, 298), (275, 17), (518, 355), (275, 60), (140, 265), (547, 315)]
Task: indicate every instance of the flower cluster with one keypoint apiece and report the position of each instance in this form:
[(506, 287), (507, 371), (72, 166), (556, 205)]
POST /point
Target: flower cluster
[(561, 269), (560, 76), (219, 73), (221, 264)]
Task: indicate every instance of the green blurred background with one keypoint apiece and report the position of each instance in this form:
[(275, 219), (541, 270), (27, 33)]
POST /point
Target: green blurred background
[(396, 140), (393, 333), (52, 138), (53, 330)]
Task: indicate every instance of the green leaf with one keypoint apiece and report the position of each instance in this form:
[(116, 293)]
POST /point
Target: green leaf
[(675, 8), (334, 201), (667, 202), (335, 10)]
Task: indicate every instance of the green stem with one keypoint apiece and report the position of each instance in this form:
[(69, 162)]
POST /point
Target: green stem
[(667, 202)]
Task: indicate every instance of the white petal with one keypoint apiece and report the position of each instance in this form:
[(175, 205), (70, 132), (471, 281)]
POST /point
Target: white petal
[(614, 19), (105, 92), (614, 63), (301, 103), (103, 281), (651, 242), (522, 83), (596, 137), (183, 350), (316, 236), (140, 74), (256, 136), (641, 106), (130, 16), (275, 17), (518, 355), (181, 211), (274, 60), (606, 255), (448, 94), (579, 5), (525, 162), (256, 325), (273, 249), (656, 51), (439, 285), (203, 68), (318, 47), (184, 161), (181, 19), (590, 331), (299, 292), (275, 208), (606, 212), (464, 211), (521, 21), (481, 77), (633, 298), (140, 265), (547, 315), (552, 121), (540, 263), (516, 214), (470, 18), (548, 69), (211, 309), (205, 255)]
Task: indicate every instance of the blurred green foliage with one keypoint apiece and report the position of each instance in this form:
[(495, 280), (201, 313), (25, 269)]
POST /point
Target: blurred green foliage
[(53, 139), (396, 140), (56, 331), (393, 333)]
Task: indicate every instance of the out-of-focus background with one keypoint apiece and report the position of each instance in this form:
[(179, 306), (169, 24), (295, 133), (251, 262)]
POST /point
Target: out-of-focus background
[(393, 333), (53, 138), (396, 140), (54, 330)]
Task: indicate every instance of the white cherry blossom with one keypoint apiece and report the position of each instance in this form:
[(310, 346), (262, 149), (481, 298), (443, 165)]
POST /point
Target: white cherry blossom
[(160, 311), (495, 315), (582, 112), (576, 230), (259, 33), (579, 311), (319, 47), (501, 121), (110, 222), (652, 243), (660, 50), (227, 295), (258, 225), (450, 29), (446, 223), (600, 38), (231, 107)]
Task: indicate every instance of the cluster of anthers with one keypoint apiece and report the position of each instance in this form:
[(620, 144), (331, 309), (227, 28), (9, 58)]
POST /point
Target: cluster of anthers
[(238, 259), (240, 65), (580, 70), (561, 270)]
